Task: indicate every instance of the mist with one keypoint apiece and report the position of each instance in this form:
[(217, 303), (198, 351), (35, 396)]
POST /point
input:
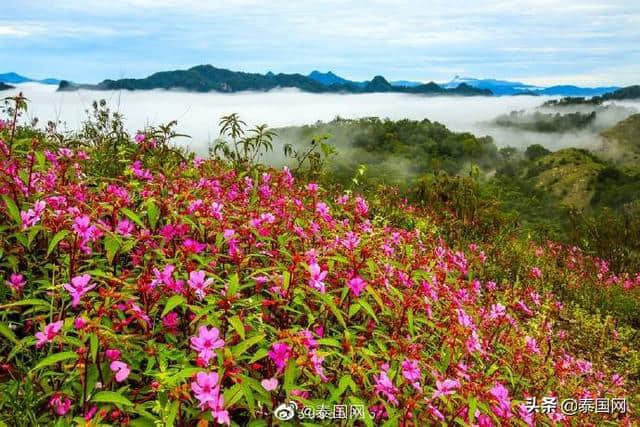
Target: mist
[(198, 113)]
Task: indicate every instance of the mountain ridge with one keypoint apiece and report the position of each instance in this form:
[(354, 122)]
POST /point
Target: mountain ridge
[(207, 78), (15, 78)]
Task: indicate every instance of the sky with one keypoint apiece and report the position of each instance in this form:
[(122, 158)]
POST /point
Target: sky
[(542, 42)]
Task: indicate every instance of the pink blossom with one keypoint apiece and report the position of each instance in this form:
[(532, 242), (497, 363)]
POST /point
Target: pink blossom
[(49, 333), (316, 361), (59, 404), (532, 345), (385, 387), (193, 246), (207, 391), (269, 384), (198, 283), (445, 388), (79, 323), (32, 216), (120, 369), (411, 371), (357, 285), (78, 288), (207, 341), (497, 311), (16, 281), (125, 227), (163, 277), (140, 137), (501, 394), (112, 354), (280, 353), (317, 277), (170, 321), (536, 273)]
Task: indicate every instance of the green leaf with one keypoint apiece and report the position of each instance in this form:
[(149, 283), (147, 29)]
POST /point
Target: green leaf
[(12, 210), (248, 396), (8, 333), (111, 245), (93, 345), (153, 213), (56, 239), (111, 397), (237, 325), (336, 312), (172, 303), (55, 358), (364, 304), (28, 301), (132, 216), (234, 284), (243, 346), (290, 375)]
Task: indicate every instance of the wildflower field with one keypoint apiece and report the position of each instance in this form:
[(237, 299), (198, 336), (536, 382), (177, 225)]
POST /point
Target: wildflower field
[(141, 285)]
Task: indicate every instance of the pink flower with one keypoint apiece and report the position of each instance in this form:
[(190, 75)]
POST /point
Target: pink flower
[(198, 283), (317, 277), (532, 345), (357, 285), (59, 404), (32, 216), (16, 281), (79, 323), (446, 387), (206, 343), (270, 384), (112, 354), (411, 371), (361, 207), (206, 388), (497, 311), (121, 370), (193, 246), (170, 321), (536, 273), (526, 415), (90, 413), (317, 360), (49, 333), (207, 391), (280, 353), (78, 287), (385, 387), (464, 319), (163, 277), (125, 228), (501, 394), (139, 138)]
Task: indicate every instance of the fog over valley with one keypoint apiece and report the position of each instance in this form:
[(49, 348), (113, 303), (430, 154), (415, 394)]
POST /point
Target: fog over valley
[(198, 113)]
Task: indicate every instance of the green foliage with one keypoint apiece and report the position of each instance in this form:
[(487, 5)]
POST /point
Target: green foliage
[(244, 146)]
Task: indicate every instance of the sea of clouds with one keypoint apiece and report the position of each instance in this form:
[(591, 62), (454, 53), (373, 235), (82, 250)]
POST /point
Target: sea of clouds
[(198, 113)]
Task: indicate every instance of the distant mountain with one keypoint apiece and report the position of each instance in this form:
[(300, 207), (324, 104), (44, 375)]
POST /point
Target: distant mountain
[(629, 92), (498, 87), (569, 90), (405, 83), (5, 86), (17, 78), (504, 87), (329, 78), (206, 78)]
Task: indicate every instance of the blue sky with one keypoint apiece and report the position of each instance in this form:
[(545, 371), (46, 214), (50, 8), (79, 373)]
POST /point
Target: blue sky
[(541, 42)]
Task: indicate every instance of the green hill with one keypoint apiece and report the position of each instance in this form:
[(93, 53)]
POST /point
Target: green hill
[(207, 78)]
